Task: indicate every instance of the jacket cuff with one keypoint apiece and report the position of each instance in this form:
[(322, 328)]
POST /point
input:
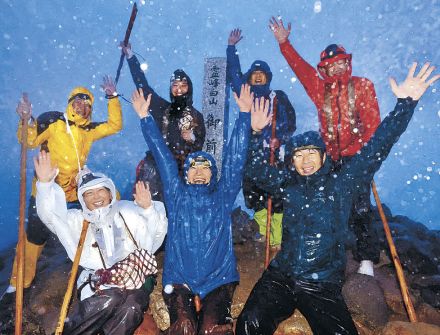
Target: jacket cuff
[(44, 186), (407, 101), (285, 45), (244, 116), (145, 211)]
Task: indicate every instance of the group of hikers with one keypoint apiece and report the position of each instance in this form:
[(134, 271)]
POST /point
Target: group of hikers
[(319, 184)]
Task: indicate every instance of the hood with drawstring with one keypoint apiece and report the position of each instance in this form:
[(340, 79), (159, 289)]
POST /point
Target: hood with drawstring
[(70, 112), (331, 54), (260, 90), (214, 170), (179, 103), (89, 180), (309, 140)]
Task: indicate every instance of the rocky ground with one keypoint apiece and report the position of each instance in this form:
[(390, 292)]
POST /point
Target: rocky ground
[(375, 303)]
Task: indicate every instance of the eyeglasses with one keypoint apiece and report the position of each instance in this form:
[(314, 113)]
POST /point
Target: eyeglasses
[(79, 97)]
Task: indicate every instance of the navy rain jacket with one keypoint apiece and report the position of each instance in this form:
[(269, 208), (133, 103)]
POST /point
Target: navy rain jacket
[(199, 250), (286, 117), (317, 207)]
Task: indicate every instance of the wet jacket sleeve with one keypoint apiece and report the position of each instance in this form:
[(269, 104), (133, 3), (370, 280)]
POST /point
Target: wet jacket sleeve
[(267, 177), (288, 126), (235, 158), (371, 157), (158, 104), (369, 113), (150, 226), (165, 160), (33, 138), (113, 123), (52, 210), (233, 69), (199, 133), (307, 75)]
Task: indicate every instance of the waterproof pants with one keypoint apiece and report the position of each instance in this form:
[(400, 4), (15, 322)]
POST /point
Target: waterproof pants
[(276, 227), (361, 222), (36, 234), (275, 297), (213, 318), (112, 311)]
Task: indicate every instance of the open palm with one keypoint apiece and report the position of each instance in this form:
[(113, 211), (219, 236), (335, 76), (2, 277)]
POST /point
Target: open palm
[(414, 86)]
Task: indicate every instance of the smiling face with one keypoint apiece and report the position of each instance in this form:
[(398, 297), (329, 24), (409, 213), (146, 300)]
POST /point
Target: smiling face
[(179, 87), (199, 174), (257, 78), (97, 198), (308, 161), (82, 107), (336, 68)]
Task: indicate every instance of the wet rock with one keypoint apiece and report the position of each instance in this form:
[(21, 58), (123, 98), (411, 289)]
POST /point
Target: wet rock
[(429, 286), (386, 277), (407, 328), (365, 300), (428, 314)]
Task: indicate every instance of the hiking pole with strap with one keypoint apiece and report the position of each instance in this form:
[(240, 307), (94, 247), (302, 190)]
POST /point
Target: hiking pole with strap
[(72, 278), (127, 37), (274, 144), (21, 232), (400, 275)]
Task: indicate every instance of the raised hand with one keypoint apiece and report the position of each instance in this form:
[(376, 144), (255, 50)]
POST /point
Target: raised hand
[(43, 167), (260, 116), (126, 49), (187, 135), (140, 105), (108, 85), (142, 195), (24, 107), (235, 36), (246, 98), (414, 86), (281, 34)]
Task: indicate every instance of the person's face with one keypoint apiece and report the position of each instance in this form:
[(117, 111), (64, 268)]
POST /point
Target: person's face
[(336, 68), (199, 174), (258, 78), (179, 87), (82, 107), (308, 161), (97, 198)]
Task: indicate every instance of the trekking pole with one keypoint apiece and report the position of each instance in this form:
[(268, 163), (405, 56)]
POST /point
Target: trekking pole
[(274, 144), (21, 231), (134, 11), (72, 278), (400, 275)]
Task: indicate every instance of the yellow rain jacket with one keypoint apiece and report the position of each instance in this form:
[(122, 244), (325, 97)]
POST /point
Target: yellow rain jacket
[(70, 142)]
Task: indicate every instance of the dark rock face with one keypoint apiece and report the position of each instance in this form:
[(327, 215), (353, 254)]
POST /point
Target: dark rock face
[(366, 300), (375, 303)]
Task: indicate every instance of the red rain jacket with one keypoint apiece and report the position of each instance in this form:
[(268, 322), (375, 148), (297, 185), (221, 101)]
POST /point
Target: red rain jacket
[(347, 106)]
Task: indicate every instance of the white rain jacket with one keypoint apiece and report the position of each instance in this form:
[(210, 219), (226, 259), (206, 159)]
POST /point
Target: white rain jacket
[(148, 226)]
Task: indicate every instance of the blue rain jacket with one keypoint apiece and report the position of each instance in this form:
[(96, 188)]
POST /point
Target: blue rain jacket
[(317, 207), (199, 250)]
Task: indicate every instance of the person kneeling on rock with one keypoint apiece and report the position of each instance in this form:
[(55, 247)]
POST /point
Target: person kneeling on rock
[(308, 273), (117, 255)]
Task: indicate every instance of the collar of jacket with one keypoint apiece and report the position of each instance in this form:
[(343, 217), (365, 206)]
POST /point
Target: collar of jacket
[(201, 189), (324, 171)]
